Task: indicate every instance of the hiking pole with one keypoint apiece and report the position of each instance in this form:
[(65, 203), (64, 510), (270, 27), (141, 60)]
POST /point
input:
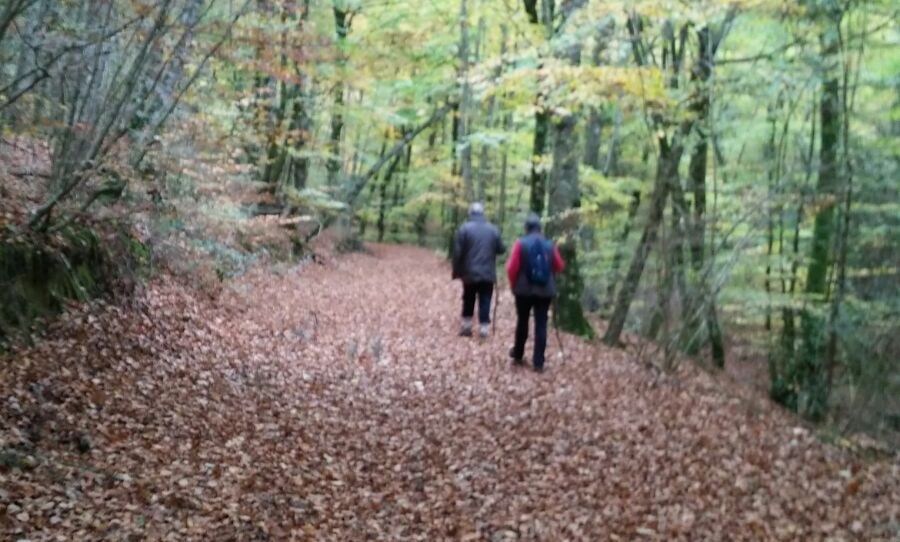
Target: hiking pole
[(496, 303), (562, 348)]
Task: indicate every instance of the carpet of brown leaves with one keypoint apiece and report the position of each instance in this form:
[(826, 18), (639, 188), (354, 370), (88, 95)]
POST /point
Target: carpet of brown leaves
[(334, 402)]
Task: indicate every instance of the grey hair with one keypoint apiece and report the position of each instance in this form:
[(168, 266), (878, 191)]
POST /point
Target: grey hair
[(476, 208)]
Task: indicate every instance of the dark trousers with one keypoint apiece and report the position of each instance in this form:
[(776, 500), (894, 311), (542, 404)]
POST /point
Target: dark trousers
[(524, 306), (484, 291)]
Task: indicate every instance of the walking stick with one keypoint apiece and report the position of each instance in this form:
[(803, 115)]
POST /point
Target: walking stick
[(496, 303), (556, 328)]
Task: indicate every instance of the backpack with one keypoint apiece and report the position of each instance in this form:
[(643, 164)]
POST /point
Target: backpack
[(537, 260)]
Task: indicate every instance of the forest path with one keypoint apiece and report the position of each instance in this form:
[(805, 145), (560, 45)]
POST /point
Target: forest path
[(336, 402)]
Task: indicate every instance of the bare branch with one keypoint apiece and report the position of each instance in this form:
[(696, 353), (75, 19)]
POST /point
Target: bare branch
[(358, 183)]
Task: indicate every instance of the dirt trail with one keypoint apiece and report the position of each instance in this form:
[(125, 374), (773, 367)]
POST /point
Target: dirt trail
[(334, 402)]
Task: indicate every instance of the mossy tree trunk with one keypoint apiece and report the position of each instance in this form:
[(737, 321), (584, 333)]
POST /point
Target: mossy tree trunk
[(564, 224)]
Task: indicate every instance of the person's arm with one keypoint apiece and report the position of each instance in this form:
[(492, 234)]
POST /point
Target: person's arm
[(458, 250), (513, 264), (558, 263), (501, 248)]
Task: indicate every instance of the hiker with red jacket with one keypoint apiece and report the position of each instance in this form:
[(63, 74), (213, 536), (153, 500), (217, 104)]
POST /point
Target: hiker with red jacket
[(475, 248), (532, 268)]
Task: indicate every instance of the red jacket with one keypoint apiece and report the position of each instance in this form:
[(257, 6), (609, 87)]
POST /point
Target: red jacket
[(514, 264)]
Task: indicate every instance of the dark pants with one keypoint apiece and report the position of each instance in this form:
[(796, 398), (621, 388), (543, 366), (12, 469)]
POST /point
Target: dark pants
[(484, 291), (541, 306)]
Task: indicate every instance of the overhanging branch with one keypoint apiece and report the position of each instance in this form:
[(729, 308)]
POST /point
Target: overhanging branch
[(358, 183)]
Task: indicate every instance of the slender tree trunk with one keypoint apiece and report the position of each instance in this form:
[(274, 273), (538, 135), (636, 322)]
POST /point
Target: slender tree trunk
[(501, 203), (705, 294), (593, 130), (847, 100), (539, 159), (301, 121), (382, 196), (769, 157), (342, 18), (675, 252), (810, 372), (782, 366), (485, 171), (274, 158), (619, 254), (611, 166), (464, 147), (666, 174), (544, 13)]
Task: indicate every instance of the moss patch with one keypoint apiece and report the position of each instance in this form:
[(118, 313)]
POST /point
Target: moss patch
[(38, 276)]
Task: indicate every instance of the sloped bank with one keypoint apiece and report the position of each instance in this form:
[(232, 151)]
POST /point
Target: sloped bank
[(40, 274)]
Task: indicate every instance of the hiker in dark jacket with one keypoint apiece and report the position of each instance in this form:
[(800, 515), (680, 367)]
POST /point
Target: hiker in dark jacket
[(475, 249), (532, 268)]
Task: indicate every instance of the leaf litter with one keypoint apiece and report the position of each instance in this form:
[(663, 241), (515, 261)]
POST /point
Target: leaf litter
[(335, 402)]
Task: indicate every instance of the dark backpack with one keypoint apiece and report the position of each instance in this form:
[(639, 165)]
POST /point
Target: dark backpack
[(537, 260)]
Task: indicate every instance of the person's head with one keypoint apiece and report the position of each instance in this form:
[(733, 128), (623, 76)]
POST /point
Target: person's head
[(476, 209), (532, 223)]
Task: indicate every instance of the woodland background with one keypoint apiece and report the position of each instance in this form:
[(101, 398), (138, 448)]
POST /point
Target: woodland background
[(721, 176)]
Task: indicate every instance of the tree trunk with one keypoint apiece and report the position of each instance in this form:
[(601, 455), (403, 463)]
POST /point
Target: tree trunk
[(382, 196), (771, 173), (274, 160), (809, 372), (705, 294), (620, 253), (593, 130), (666, 174), (611, 167), (301, 121), (539, 158), (565, 196), (781, 384), (485, 171), (592, 136), (342, 18), (464, 147), (501, 203)]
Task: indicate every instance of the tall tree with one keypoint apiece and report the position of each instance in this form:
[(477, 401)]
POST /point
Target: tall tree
[(810, 372), (701, 306), (565, 193), (463, 145), (670, 144), (688, 231), (343, 18), (540, 145)]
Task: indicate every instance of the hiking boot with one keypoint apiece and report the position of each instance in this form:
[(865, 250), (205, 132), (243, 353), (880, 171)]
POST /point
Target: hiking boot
[(539, 370), (465, 329), (516, 361), (484, 331)]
